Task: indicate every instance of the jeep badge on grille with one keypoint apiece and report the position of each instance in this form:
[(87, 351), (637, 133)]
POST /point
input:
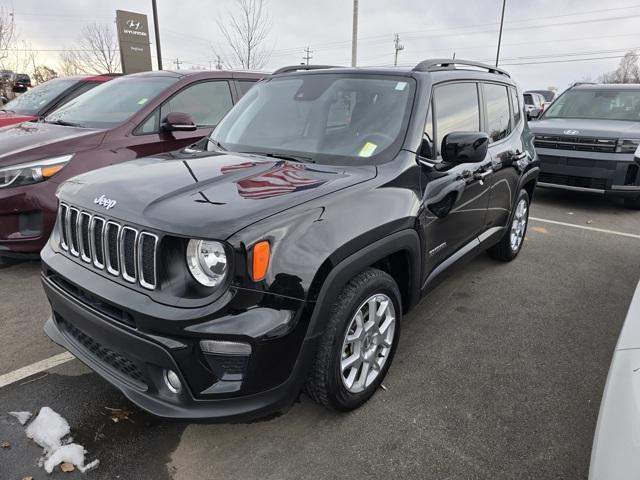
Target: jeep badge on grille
[(105, 202)]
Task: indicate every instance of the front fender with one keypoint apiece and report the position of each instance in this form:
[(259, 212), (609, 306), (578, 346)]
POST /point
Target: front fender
[(334, 281)]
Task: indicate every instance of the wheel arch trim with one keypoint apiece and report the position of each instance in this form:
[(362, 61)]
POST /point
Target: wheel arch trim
[(405, 240)]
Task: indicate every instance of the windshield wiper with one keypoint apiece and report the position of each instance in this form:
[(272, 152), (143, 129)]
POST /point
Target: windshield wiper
[(283, 156), (8, 111), (218, 145), (64, 123)]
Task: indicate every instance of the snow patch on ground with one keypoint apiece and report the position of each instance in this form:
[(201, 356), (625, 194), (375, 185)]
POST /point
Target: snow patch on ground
[(23, 417), (49, 430)]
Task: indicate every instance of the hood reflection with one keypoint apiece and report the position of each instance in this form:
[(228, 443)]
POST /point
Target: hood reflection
[(282, 178)]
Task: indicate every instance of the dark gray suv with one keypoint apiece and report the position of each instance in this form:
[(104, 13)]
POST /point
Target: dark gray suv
[(587, 141)]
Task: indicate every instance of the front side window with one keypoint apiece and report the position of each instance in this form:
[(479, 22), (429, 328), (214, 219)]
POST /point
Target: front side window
[(111, 103), (322, 117), (610, 104), (33, 101), (206, 102), (497, 107), (457, 109)]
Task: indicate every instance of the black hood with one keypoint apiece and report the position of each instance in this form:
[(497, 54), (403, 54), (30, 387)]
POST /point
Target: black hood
[(208, 196), (29, 141)]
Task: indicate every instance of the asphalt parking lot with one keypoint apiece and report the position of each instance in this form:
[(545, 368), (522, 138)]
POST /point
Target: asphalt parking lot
[(499, 375)]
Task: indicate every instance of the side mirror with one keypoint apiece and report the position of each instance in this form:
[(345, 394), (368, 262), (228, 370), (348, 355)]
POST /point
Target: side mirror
[(465, 147), (179, 122)]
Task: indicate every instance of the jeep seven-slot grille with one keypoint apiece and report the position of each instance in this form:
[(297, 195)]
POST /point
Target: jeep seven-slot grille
[(122, 250), (583, 144)]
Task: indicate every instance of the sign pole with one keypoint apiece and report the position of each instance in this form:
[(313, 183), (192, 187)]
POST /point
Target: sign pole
[(156, 29)]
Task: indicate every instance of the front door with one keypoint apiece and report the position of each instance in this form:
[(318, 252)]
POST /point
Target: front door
[(456, 197)]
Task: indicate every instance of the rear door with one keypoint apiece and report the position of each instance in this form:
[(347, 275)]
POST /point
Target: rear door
[(503, 123), (456, 196)]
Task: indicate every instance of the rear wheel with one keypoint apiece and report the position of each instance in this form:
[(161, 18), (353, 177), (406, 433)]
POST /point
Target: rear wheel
[(358, 345), (632, 202), (511, 243)]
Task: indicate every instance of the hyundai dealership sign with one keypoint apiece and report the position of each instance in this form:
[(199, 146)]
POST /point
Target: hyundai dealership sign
[(133, 36)]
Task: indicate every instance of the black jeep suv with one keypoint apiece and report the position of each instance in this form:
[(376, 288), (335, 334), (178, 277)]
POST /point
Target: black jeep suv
[(282, 251)]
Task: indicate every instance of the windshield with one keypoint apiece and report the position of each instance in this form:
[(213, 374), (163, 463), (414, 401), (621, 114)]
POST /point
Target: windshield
[(547, 94), (111, 103), (319, 117), (603, 104), (33, 101)]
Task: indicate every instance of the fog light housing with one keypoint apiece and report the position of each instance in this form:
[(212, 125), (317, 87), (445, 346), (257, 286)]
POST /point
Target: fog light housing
[(173, 381), (223, 347)]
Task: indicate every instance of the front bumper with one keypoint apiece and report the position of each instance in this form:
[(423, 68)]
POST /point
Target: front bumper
[(135, 359), (610, 174), (27, 216)]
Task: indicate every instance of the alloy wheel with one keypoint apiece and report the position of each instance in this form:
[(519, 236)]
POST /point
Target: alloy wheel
[(367, 343), (519, 225)]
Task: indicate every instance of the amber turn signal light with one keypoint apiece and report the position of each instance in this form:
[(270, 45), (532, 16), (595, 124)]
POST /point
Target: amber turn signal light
[(261, 256), (52, 170)]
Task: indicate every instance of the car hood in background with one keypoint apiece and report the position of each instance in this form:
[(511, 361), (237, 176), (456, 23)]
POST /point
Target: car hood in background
[(11, 118), (616, 444), (586, 128), (31, 141), (206, 195)]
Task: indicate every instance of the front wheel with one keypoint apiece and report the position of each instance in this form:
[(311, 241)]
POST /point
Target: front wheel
[(358, 345), (511, 243)]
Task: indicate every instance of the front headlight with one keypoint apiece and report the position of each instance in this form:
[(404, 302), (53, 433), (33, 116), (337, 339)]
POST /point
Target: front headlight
[(32, 172), (627, 145), (207, 262)]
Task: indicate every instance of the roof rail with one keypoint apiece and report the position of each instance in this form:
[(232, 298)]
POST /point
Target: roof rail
[(297, 68), (437, 64), (575, 84)]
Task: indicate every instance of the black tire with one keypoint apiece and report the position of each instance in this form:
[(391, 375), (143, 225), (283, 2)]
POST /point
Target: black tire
[(324, 383), (632, 202), (504, 250)]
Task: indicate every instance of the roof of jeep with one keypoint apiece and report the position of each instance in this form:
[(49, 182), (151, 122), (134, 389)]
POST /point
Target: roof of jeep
[(438, 75)]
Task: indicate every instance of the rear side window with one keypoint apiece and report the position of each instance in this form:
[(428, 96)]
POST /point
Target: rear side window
[(497, 108), (456, 109), (515, 106), (206, 102)]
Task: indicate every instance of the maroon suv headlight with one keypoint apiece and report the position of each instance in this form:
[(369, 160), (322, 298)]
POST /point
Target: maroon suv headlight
[(32, 172)]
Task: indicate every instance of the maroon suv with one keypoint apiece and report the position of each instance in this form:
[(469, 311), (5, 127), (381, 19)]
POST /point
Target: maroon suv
[(127, 118)]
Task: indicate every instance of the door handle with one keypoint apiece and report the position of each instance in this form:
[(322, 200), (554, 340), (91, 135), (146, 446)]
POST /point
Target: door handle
[(483, 175)]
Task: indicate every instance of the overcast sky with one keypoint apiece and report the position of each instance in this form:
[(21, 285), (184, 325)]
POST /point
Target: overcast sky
[(561, 31)]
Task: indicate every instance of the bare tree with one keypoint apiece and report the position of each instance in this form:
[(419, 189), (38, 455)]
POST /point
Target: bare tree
[(42, 74), (96, 52), (246, 31), (7, 33), (628, 70), (69, 63)]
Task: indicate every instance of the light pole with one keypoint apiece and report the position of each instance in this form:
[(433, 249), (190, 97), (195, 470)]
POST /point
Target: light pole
[(155, 28), (504, 2), (354, 35)]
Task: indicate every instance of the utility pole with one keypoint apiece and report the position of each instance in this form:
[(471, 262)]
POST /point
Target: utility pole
[(308, 56), (354, 35), (398, 48), (504, 3), (177, 63), (157, 31), (219, 63)]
